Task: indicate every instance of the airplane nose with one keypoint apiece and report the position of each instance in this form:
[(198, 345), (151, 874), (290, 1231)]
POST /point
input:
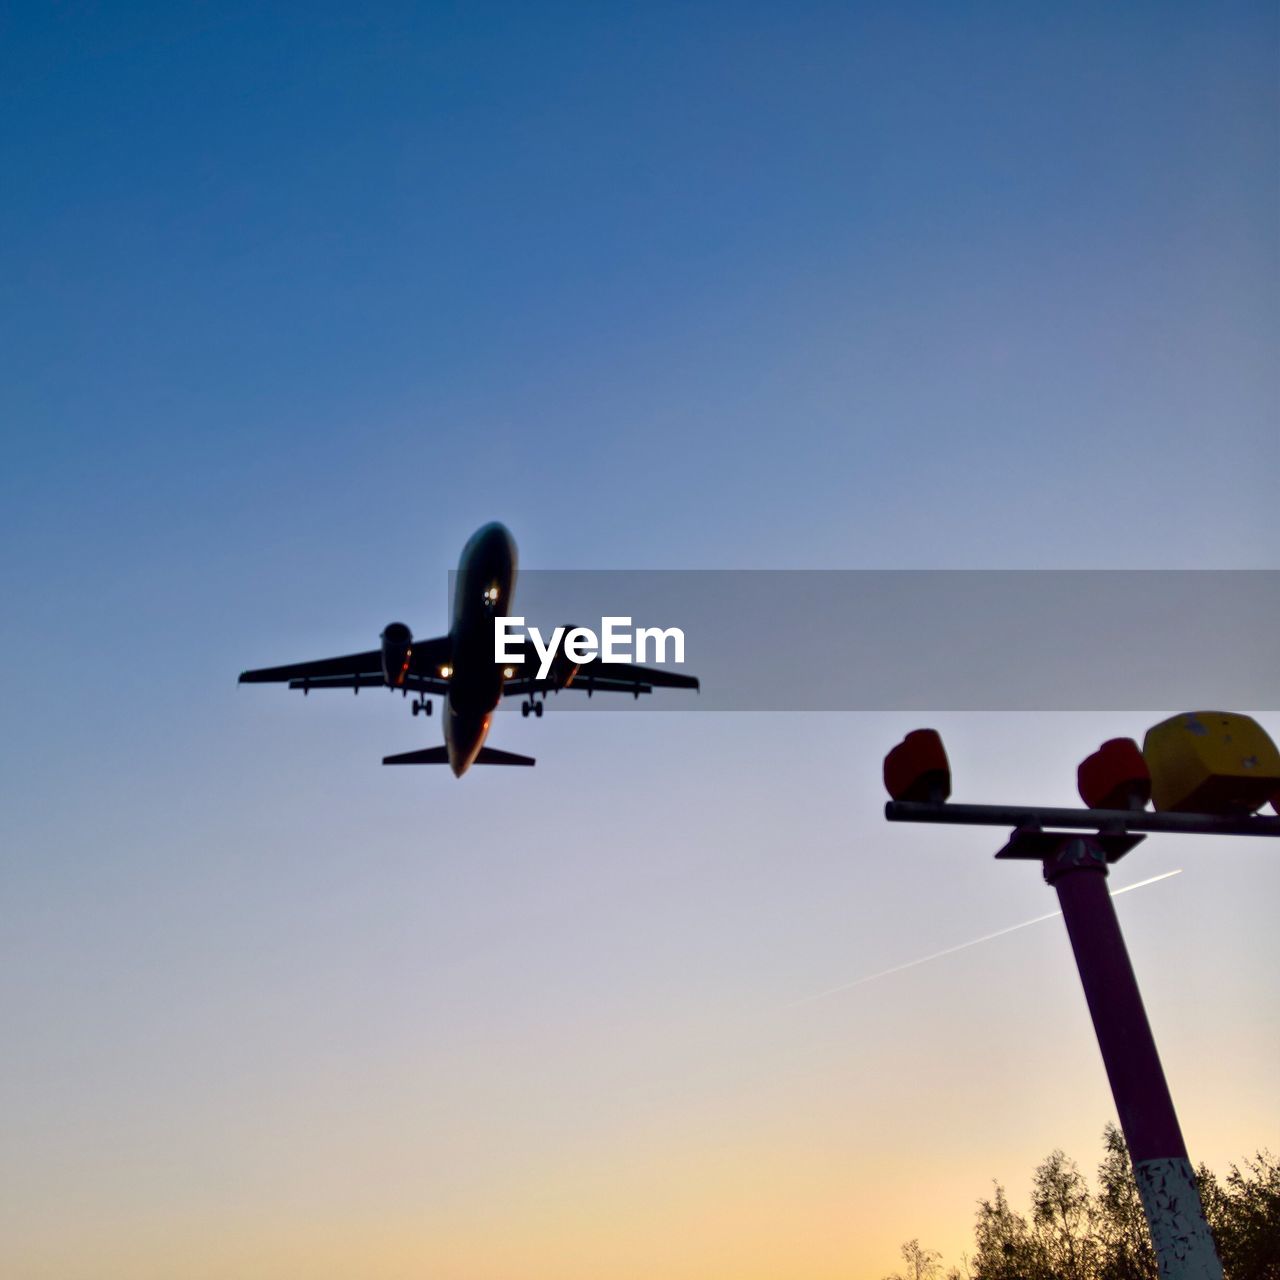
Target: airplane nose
[(496, 539)]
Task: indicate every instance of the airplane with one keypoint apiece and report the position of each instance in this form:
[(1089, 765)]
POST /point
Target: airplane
[(460, 666)]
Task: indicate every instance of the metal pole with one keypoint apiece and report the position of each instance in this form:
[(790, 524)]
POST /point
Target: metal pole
[(1009, 815), (1166, 1183)]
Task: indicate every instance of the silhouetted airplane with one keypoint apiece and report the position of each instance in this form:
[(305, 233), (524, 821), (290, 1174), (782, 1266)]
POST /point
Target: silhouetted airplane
[(461, 666)]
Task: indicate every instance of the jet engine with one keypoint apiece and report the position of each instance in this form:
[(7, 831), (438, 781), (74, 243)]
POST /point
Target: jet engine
[(563, 669), (397, 651)]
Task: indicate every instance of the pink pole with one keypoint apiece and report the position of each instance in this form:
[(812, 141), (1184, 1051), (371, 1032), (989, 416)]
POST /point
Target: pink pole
[(1166, 1181)]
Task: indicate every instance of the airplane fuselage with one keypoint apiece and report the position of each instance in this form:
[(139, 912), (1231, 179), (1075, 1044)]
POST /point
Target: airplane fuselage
[(483, 587)]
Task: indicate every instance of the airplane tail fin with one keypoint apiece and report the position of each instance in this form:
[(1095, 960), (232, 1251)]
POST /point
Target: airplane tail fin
[(440, 755)]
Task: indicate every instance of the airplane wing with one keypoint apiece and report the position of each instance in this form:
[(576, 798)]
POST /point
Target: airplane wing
[(360, 670), (601, 677), (354, 664), (415, 684)]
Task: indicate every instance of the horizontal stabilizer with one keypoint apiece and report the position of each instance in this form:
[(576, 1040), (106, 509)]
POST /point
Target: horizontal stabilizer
[(491, 755), (428, 755), (440, 755)]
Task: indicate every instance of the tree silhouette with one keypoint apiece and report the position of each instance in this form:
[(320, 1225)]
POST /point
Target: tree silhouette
[(922, 1264), (1064, 1219), (1125, 1251), (1076, 1233), (1244, 1215)]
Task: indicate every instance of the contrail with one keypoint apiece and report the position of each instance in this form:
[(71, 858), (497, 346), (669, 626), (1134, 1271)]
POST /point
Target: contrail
[(962, 946)]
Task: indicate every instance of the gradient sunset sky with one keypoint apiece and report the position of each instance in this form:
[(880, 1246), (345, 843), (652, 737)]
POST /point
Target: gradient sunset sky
[(294, 298)]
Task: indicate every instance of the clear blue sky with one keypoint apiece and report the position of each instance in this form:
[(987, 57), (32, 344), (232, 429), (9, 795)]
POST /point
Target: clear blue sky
[(294, 297)]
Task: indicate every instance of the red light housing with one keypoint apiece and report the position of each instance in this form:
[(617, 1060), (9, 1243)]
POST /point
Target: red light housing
[(1115, 777), (917, 768)]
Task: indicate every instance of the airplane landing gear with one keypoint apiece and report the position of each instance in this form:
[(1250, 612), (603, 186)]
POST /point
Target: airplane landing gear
[(423, 705), (530, 705)]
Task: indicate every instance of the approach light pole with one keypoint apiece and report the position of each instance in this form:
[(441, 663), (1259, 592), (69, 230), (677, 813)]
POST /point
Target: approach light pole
[(1209, 773)]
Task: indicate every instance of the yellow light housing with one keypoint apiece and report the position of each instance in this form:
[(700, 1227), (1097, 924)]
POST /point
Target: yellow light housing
[(446, 672), (1211, 762)]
